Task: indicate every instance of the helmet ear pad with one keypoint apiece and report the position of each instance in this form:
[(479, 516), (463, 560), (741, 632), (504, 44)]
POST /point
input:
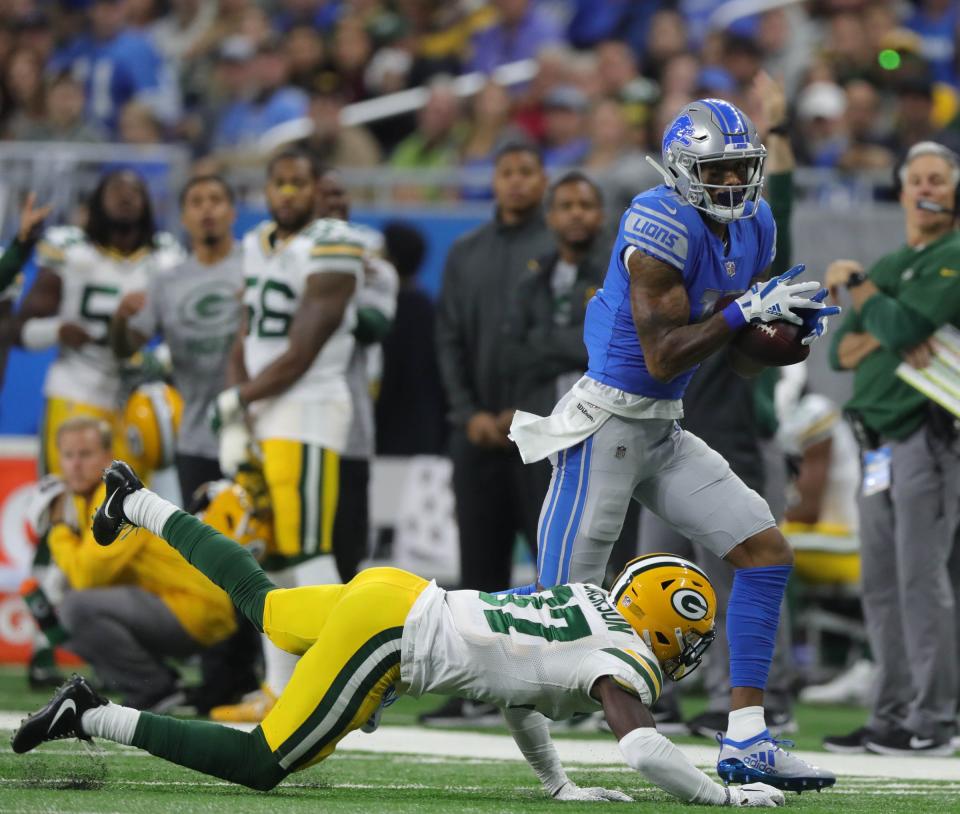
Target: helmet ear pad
[(671, 605)]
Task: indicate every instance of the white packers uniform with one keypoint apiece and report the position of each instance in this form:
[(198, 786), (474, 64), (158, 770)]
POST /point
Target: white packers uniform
[(94, 279), (303, 430), (826, 551), (388, 628)]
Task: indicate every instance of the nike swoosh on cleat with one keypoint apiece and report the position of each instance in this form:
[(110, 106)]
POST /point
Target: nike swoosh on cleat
[(106, 506), (920, 743), (68, 704)]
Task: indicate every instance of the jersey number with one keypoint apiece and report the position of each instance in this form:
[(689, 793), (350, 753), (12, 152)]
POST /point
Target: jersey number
[(574, 624), (97, 304), (273, 322)]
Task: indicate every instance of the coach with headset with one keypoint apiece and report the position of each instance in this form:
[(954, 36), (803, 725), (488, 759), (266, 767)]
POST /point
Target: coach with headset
[(911, 464)]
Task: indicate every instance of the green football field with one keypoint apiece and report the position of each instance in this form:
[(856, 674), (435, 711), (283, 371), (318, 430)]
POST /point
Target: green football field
[(404, 768)]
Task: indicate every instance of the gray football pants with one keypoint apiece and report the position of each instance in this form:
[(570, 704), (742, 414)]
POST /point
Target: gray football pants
[(125, 633), (910, 571)]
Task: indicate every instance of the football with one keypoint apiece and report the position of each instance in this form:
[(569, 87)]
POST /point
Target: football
[(775, 344)]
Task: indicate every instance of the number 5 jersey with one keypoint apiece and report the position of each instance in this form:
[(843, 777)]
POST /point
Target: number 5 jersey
[(541, 652)]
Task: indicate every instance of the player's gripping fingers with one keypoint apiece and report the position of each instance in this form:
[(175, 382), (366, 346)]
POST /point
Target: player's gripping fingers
[(571, 792), (790, 273), (756, 795)]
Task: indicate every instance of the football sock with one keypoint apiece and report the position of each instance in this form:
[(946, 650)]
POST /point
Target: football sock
[(753, 614), (111, 721), (744, 724), (223, 561), (148, 510), (240, 757)]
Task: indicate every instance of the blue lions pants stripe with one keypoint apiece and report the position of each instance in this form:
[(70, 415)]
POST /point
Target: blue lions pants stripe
[(561, 522)]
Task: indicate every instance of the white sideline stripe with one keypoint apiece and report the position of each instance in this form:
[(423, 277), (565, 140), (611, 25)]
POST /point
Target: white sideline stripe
[(454, 744)]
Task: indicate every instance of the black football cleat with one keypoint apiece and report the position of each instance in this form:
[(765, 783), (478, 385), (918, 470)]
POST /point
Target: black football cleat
[(60, 718), (121, 481)]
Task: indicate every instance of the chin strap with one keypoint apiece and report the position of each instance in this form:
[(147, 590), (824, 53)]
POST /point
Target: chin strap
[(667, 177)]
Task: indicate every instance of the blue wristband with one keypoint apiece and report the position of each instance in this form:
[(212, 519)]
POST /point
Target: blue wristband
[(733, 314)]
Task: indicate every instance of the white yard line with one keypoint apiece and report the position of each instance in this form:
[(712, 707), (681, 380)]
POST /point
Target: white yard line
[(602, 753)]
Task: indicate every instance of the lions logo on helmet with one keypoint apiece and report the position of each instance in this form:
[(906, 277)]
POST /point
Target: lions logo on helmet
[(151, 421), (708, 131), (671, 604), (228, 507)]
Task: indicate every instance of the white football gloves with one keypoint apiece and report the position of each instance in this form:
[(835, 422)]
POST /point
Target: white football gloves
[(756, 795), (815, 319), (570, 791), (774, 299), (228, 420)]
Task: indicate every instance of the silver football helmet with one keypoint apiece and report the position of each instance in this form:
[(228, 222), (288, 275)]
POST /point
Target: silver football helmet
[(709, 131)]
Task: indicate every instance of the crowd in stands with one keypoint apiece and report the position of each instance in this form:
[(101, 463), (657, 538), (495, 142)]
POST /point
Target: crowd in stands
[(865, 78)]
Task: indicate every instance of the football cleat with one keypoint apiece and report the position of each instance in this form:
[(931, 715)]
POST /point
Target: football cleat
[(763, 760), (109, 520), (60, 718)]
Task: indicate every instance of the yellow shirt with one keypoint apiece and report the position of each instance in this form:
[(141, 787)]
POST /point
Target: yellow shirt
[(142, 559)]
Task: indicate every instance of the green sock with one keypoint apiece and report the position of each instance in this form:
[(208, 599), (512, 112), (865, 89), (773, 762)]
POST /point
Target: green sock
[(240, 757), (224, 562)]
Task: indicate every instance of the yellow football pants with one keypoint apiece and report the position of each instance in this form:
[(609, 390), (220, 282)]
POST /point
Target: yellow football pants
[(349, 637), (304, 485)]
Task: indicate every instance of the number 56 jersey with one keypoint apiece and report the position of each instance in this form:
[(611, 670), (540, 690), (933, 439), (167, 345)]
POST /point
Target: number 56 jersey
[(543, 652)]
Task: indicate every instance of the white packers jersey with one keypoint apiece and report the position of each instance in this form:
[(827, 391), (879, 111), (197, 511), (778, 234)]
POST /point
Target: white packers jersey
[(93, 281), (315, 409), (542, 652), (813, 419)]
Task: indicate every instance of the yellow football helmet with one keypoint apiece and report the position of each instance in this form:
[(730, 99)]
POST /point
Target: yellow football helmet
[(670, 602), (151, 421), (228, 507)]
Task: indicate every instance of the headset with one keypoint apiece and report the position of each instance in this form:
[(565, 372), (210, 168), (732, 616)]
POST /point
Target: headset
[(929, 148)]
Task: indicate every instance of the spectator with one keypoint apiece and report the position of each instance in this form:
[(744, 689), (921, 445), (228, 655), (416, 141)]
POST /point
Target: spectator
[(822, 130), (332, 143), (936, 22), (65, 115), (34, 31), (616, 66), (23, 87), (482, 269), (272, 101), (667, 36), (565, 141), (306, 51), (846, 48), (522, 29), (489, 128), (742, 58), (350, 54), (869, 147), (178, 33), (410, 411), (118, 64), (436, 142), (908, 518), (680, 77), (132, 606), (614, 157), (138, 125), (596, 21), (320, 15), (439, 34)]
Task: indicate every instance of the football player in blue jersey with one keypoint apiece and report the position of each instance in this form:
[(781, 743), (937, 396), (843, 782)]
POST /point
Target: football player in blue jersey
[(702, 235)]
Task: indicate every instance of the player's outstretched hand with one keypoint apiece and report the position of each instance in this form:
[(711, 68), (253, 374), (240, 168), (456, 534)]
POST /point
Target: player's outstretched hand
[(756, 795), (815, 319), (570, 791), (774, 299)]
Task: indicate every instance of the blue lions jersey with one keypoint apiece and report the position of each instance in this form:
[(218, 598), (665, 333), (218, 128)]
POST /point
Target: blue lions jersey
[(662, 224)]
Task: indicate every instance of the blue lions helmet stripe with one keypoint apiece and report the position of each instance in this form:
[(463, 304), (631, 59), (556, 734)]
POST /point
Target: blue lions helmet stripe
[(735, 128)]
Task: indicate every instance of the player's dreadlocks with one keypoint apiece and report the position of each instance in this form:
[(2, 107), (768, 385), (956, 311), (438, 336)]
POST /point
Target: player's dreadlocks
[(99, 224)]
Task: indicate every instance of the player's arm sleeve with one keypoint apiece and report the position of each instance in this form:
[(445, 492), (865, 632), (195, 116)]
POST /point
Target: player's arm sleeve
[(14, 258), (896, 325), (532, 736), (780, 196), (376, 301), (663, 764), (663, 236), (452, 344)]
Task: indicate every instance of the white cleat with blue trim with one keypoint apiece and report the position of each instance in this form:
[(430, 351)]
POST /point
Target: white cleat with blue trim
[(764, 760)]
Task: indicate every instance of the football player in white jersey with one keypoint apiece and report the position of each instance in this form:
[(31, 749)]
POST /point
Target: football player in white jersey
[(574, 648), (84, 273), (289, 387)]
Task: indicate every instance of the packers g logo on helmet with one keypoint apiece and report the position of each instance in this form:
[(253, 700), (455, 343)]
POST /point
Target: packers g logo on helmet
[(228, 507), (151, 421), (671, 604)]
